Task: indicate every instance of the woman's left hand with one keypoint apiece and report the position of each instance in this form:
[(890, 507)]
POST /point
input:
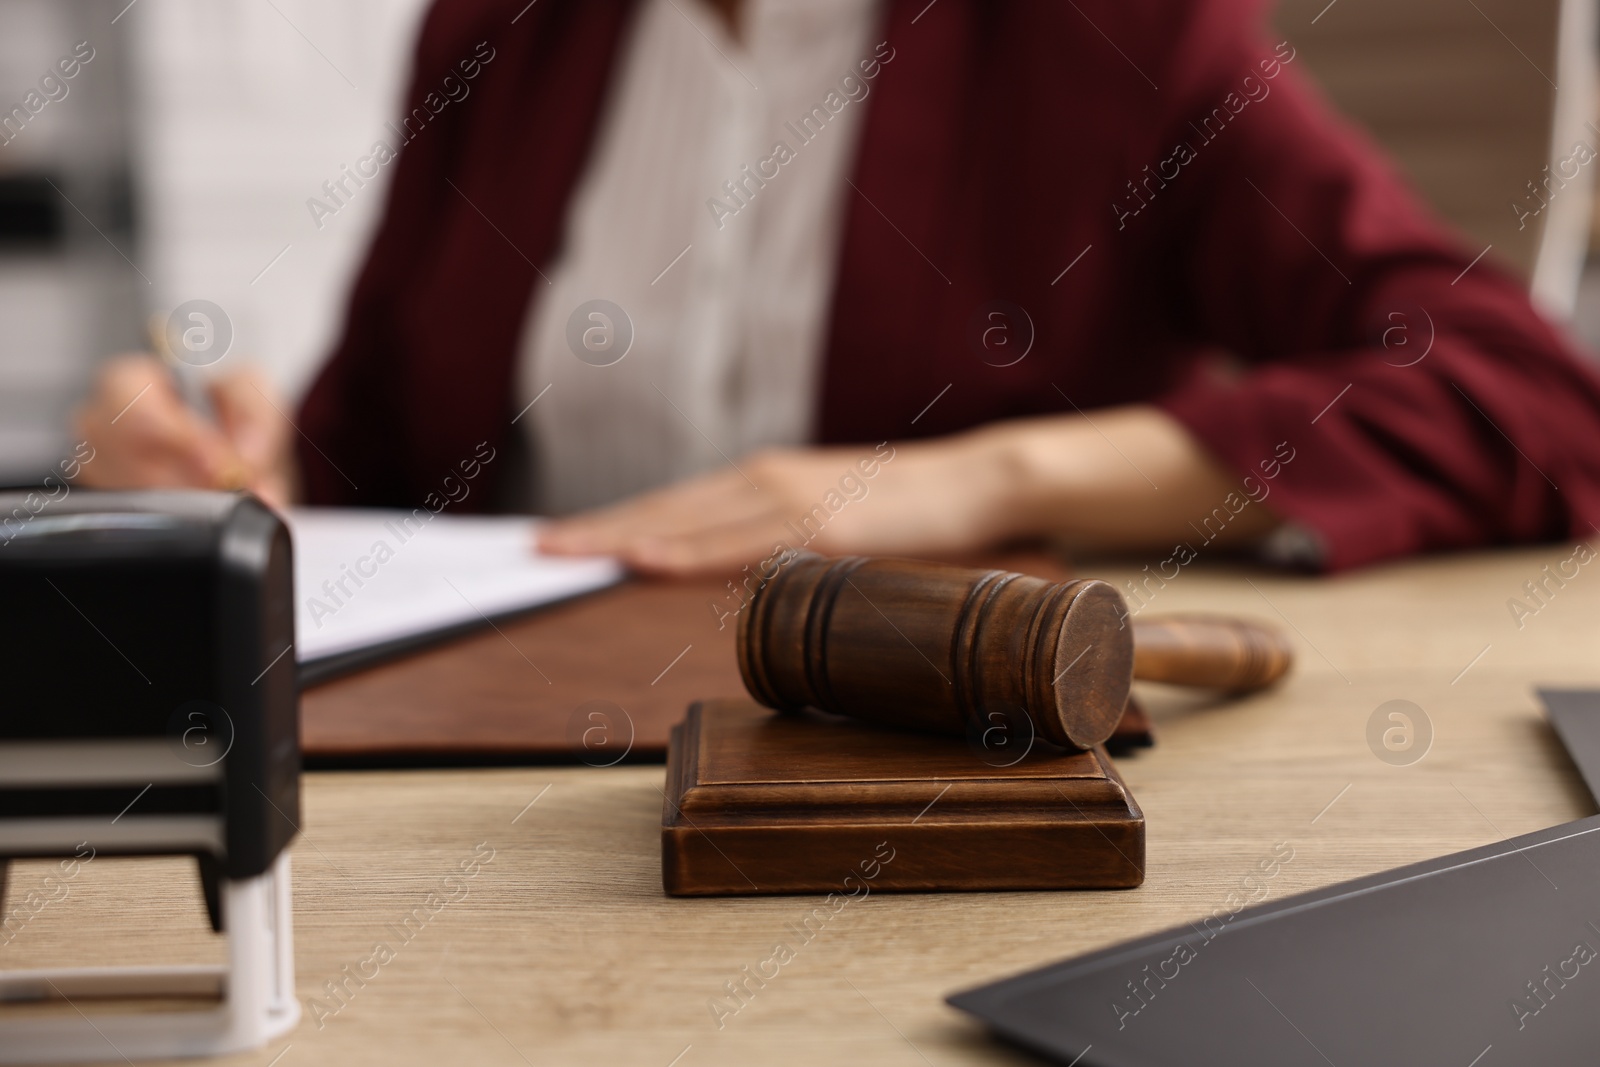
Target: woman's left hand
[(938, 496)]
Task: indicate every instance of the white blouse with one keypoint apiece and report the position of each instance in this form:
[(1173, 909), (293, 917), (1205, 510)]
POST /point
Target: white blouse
[(710, 213)]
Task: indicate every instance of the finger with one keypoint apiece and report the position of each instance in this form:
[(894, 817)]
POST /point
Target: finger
[(180, 441), (675, 499), (121, 463), (681, 509), (250, 415), (103, 420), (273, 490), (713, 550), (127, 387), (608, 536), (144, 433)]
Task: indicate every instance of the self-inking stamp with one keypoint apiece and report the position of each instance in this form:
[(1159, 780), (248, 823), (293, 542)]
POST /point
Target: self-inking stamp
[(150, 708)]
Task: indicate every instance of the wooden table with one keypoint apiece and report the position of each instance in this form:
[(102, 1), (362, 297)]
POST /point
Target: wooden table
[(564, 950)]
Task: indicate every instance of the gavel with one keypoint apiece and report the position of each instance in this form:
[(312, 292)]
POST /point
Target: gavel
[(939, 648)]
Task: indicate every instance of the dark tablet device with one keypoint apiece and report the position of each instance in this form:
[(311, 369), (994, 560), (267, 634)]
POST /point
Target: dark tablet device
[(1480, 959)]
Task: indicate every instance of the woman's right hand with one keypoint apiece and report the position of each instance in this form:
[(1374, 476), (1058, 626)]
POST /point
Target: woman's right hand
[(145, 436)]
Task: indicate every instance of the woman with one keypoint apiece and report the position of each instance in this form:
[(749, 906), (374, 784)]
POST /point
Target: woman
[(1103, 271)]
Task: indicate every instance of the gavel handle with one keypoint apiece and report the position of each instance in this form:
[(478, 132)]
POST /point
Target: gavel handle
[(1209, 651)]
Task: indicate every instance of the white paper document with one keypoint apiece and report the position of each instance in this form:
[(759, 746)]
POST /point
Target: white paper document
[(365, 577)]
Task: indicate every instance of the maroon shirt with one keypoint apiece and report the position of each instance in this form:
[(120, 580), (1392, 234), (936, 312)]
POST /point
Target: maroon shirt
[(1151, 182)]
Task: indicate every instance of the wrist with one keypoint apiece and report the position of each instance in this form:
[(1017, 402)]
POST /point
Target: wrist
[(1021, 487), (1091, 481)]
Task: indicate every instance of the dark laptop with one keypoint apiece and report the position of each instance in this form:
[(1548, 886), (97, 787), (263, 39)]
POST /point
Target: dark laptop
[(1480, 959)]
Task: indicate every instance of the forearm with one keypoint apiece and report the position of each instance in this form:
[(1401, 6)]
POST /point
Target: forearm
[(1122, 478)]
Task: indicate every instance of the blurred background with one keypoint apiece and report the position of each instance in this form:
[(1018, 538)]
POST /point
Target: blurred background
[(178, 162)]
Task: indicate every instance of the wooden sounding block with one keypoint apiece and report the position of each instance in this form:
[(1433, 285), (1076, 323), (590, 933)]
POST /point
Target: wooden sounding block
[(758, 803)]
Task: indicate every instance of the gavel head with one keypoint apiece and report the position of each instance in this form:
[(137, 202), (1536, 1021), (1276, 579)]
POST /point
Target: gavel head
[(933, 647)]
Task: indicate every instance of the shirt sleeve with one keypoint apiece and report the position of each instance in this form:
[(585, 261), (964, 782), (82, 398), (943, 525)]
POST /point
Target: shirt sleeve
[(1424, 401)]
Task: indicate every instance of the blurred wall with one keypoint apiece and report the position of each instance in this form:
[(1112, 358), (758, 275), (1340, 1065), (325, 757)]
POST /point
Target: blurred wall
[(1473, 101), (242, 111), (67, 292), (178, 167)]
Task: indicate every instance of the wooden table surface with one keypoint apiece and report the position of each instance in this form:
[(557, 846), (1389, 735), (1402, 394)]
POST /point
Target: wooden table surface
[(563, 949)]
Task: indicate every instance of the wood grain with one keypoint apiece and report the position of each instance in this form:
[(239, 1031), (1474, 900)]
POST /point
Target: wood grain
[(565, 950), (940, 648), (758, 803), (1210, 651)]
